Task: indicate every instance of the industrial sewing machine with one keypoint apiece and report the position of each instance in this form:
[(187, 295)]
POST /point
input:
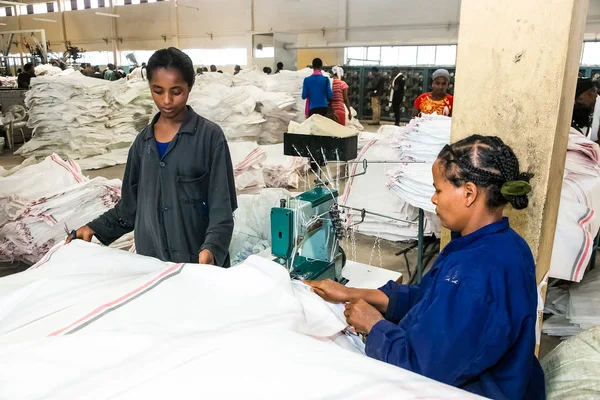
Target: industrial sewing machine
[(305, 235)]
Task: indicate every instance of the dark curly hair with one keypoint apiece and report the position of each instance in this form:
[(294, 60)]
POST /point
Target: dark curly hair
[(487, 162), (172, 58)]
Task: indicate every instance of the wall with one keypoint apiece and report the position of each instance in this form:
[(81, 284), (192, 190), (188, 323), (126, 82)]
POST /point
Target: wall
[(230, 23)]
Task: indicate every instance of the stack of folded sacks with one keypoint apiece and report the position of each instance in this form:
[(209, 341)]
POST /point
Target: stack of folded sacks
[(370, 192), (78, 117), (38, 200), (421, 140), (247, 159), (574, 308), (281, 171)]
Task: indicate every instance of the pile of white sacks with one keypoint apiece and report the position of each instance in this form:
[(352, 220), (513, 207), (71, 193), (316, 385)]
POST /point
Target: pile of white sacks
[(79, 117), (37, 200)]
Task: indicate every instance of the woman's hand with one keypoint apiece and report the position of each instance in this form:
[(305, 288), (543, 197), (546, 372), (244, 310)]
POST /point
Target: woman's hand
[(331, 291), (362, 316), (84, 233), (206, 257)]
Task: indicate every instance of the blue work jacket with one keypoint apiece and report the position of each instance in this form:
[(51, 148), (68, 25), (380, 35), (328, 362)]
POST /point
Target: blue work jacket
[(471, 322)]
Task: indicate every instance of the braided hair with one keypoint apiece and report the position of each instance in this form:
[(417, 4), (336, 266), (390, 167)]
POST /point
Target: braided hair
[(487, 162)]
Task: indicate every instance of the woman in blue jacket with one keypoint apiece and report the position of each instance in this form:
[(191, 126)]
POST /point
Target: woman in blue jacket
[(471, 322)]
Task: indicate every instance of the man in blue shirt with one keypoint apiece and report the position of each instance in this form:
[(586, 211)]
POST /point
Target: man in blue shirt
[(471, 322), (316, 90)]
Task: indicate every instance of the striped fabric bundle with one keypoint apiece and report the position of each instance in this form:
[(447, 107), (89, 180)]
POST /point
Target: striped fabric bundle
[(37, 201)]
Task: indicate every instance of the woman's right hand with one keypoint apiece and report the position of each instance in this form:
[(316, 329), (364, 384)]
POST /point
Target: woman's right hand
[(83, 233), (331, 291)]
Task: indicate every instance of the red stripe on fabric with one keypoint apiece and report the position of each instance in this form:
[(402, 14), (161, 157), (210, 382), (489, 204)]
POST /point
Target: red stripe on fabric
[(46, 257), (117, 301), (587, 244), (60, 162)]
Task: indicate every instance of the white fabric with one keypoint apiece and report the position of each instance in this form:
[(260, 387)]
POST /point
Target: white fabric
[(421, 140), (593, 133), (192, 331), (252, 223), (36, 202), (572, 369), (579, 211), (281, 171), (319, 125), (247, 159)]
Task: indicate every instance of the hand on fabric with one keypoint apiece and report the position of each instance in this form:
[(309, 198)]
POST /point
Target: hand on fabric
[(206, 257), (83, 233), (362, 316), (331, 291)]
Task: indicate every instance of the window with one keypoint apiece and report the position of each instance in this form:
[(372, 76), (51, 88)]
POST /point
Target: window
[(407, 55), (426, 55), (29, 9), (9, 11), (3, 11), (97, 57), (50, 7), (265, 52), (234, 56), (401, 55), (72, 5), (591, 53), (139, 56), (445, 55)]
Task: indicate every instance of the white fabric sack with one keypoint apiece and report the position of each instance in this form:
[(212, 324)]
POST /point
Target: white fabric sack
[(112, 324)]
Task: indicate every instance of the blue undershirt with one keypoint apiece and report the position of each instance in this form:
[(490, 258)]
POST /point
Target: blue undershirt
[(162, 148)]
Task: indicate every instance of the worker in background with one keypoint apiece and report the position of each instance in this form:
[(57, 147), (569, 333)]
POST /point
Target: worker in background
[(583, 109), (471, 322), (267, 70), (110, 72), (138, 72), (97, 73), (198, 71), (279, 67), (340, 102), (237, 70), (397, 93), (316, 90), (437, 101), (88, 70), (375, 91), (24, 78), (178, 191), (204, 69), (213, 68)]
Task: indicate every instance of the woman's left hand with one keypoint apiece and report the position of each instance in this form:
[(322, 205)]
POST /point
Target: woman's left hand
[(362, 316), (206, 257)]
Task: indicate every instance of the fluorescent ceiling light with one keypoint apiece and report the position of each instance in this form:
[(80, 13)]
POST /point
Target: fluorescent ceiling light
[(2, 24), (108, 15), (44, 20)]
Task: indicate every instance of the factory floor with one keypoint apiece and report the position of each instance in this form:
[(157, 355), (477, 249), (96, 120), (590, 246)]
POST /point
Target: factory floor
[(368, 250)]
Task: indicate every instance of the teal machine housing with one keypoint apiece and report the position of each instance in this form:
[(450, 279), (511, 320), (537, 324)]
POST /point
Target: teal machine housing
[(305, 235)]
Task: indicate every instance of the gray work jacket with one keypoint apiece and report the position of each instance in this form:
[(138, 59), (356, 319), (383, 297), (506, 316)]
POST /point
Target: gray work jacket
[(181, 203)]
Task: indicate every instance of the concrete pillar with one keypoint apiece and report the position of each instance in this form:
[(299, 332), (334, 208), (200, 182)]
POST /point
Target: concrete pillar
[(517, 64)]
